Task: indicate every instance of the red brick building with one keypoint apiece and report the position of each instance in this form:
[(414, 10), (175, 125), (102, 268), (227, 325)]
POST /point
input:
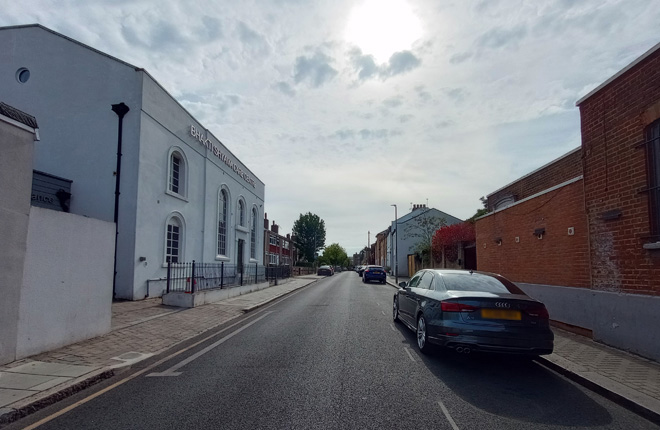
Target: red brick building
[(380, 252), (278, 250), (582, 233), (621, 153)]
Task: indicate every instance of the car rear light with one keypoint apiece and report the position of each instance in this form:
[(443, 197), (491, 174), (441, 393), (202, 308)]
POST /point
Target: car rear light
[(541, 312), (457, 307)]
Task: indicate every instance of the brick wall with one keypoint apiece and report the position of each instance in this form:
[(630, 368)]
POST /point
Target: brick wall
[(556, 259), (561, 170), (613, 122)]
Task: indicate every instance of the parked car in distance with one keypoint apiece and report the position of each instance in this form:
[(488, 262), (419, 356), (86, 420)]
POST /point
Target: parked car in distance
[(472, 311), (374, 273), (360, 270), (324, 271)]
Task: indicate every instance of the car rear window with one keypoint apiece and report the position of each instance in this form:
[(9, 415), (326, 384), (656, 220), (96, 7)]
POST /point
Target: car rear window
[(479, 282)]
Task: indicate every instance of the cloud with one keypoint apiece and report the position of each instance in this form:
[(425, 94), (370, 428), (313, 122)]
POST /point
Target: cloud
[(459, 58), (210, 30), (424, 95), (285, 88), (456, 94), (253, 43), (500, 37), (316, 69), (393, 102), (366, 67), (344, 134), (401, 62), (365, 134)]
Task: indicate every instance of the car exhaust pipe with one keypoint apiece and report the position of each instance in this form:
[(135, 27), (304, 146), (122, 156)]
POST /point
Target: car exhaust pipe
[(463, 349)]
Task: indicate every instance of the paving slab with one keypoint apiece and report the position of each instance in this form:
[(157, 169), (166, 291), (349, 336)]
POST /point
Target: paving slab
[(9, 396), (52, 369), (18, 381)]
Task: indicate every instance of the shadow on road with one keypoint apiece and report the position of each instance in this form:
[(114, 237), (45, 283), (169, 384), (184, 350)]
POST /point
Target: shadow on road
[(512, 387)]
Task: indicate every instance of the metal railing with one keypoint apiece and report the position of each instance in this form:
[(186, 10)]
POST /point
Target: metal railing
[(192, 277), (273, 273)]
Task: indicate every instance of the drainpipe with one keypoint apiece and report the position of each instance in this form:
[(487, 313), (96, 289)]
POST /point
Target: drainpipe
[(120, 109)]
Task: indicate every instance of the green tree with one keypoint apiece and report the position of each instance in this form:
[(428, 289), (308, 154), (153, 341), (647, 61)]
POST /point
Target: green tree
[(334, 255), (423, 228), (309, 233), (481, 211)]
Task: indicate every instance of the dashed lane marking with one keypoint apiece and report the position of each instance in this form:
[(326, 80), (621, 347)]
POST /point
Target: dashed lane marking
[(449, 418), (172, 371), (409, 354)]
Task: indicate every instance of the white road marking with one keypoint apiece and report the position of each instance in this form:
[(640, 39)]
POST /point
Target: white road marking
[(172, 370), (392, 327), (152, 366), (409, 354), (449, 418), (382, 312)]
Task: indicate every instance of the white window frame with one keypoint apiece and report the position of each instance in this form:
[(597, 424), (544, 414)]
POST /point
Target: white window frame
[(175, 217), (225, 213), (182, 186), (253, 234)]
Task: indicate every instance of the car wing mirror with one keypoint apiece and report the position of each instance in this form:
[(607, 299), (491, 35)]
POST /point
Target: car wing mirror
[(403, 284)]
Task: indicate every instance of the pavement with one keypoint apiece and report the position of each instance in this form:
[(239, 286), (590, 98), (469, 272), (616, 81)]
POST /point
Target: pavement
[(141, 329)]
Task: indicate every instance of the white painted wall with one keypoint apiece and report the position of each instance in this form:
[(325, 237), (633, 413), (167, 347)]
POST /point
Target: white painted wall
[(16, 146), (66, 295), (71, 90)]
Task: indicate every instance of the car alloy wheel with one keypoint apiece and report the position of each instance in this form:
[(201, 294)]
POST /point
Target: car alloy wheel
[(421, 335), (395, 310)]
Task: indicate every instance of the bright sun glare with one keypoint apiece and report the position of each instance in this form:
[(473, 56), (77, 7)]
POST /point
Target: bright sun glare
[(383, 27)]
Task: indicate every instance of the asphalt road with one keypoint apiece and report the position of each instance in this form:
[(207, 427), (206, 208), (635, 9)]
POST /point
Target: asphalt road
[(329, 357)]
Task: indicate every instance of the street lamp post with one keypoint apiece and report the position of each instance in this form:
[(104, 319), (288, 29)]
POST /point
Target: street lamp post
[(396, 246)]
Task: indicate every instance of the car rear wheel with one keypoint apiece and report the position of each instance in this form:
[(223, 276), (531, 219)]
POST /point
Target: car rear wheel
[(422, 340), (395, 311)]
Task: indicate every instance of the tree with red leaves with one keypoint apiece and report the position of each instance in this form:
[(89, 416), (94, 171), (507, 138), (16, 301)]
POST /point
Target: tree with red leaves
[(447, 239)]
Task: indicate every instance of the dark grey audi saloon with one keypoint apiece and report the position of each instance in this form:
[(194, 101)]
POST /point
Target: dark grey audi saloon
[(472, 311)]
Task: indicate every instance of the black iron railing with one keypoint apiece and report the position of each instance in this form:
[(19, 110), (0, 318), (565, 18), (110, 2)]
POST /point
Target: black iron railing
[(192, 277)]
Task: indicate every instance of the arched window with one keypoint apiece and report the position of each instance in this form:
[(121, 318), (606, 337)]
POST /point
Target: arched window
[(253, 235), (241, 212), (176, 175), (223, 199), (174, 240)]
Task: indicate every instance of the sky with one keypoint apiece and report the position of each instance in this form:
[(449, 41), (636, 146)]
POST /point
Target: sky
[(346, 107)]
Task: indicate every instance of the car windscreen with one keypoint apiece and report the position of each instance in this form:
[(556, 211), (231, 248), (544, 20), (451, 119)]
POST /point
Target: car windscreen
[(479, 282)]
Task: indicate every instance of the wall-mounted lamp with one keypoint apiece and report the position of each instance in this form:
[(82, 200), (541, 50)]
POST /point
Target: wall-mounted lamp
[(539, 232), (142, 259)]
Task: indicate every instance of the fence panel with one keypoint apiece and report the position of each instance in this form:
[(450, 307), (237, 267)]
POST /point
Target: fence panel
[(191, 277)]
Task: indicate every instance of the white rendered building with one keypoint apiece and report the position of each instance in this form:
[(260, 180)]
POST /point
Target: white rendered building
[(182, 195)]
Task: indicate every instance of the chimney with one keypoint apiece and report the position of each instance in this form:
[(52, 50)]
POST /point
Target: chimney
[(265, 221), (274, 228)]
